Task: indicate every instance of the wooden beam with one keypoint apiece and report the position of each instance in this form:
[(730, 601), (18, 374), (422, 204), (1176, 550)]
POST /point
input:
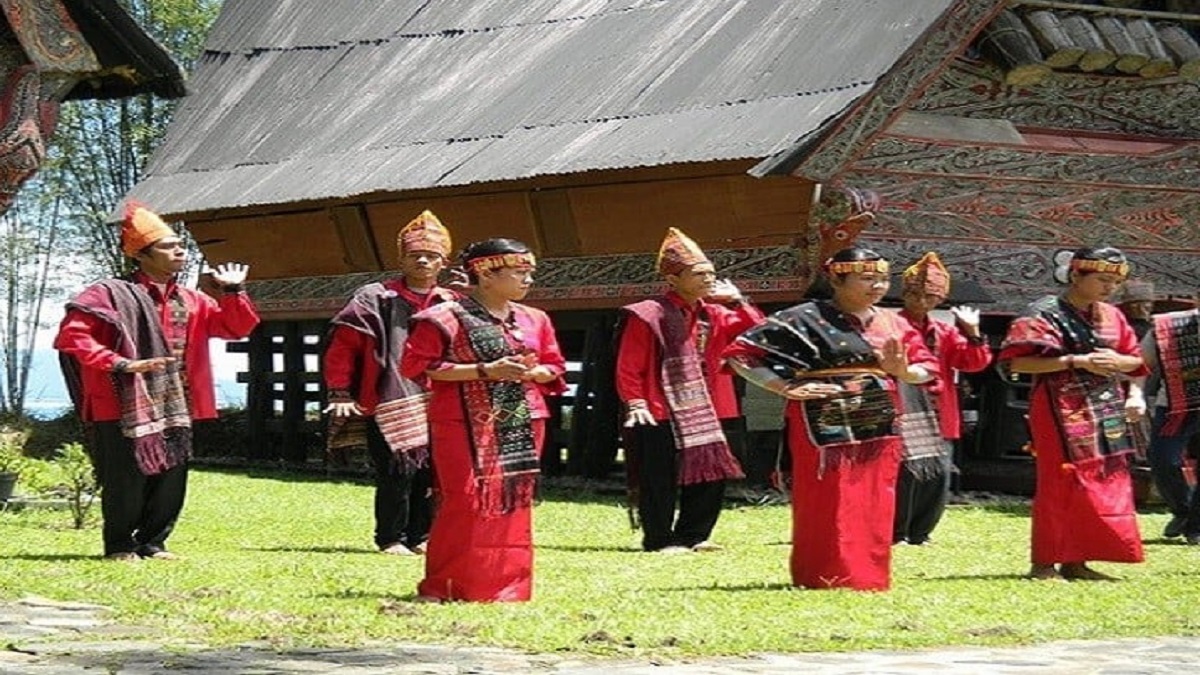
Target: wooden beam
[(1009, 43), (359, 248), (558, 234), (1100, 9)]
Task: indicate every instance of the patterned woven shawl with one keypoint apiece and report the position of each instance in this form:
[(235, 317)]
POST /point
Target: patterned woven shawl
[(814, 340), (154, 406), (503, 446), (1089, 410), (924, 447), (1177, 337), (704, 452), (383, 314)]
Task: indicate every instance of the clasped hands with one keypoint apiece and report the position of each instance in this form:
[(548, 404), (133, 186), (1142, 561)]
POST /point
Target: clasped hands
[(523, 368), (1103, 361)]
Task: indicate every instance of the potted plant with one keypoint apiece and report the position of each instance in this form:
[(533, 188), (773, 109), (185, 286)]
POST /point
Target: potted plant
[(12, 461)]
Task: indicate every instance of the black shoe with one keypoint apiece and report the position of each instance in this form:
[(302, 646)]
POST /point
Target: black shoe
[(1175, 527), (1192, 540)]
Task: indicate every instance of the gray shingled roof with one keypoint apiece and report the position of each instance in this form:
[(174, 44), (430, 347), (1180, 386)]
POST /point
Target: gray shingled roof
[(319, 99)]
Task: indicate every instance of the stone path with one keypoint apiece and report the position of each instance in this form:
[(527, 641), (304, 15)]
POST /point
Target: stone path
[(43, 637)]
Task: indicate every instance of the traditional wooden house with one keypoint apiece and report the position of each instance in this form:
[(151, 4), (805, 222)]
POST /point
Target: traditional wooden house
[(586, 127)]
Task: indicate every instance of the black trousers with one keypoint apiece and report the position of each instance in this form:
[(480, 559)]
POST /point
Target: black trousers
[(921, 502), (403, 503), (659, 491), (139, 511)]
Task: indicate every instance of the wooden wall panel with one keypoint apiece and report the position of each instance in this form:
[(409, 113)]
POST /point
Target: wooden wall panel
[(724, 211), (555, 223), (280, 246), (468, 217), (359, 250), (727, 210)]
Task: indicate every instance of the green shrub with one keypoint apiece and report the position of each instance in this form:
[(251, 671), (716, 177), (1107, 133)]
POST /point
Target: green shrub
[(12, 451), (80, 481)]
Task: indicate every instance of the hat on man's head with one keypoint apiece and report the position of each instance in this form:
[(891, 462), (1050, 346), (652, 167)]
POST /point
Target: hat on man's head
[(140, 228), (425, 233), (678, 253), (1136, 291), (928, 276)]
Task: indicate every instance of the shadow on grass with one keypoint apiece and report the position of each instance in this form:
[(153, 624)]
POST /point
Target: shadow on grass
[(340, 550), (732, 588), (1017, 576), (354, 594), (50, 557), (573, 548)]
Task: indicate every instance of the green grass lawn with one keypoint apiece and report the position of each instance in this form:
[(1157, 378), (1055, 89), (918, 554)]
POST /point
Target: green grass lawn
[(288, 559)]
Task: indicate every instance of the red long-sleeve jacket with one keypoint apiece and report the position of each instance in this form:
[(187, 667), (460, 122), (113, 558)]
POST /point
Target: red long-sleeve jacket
[(639, 361), (90, 340), (955, 352), (349, 365)]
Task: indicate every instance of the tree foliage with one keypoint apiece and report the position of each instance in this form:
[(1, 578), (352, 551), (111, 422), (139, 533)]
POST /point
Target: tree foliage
[(101, 148), (57, 232), (28, 237)]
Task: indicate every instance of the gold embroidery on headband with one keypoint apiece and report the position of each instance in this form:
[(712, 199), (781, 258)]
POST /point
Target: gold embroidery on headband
[(857, 266), (495, 262), (1102, 266)]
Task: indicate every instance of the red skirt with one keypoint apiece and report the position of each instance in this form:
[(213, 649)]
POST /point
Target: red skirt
[(472, 557), (842, 515), (1082, 511)]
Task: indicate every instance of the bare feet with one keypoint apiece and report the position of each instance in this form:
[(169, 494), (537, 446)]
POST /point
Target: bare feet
[(1044, 573), (672, 550), (1081, 572), (396, 549)]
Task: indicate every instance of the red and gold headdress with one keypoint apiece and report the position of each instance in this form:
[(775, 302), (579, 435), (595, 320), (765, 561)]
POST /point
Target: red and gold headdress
[(425, 233), (678, 253), (495, 262), (928, 276), (141, 227), (1101, 266)]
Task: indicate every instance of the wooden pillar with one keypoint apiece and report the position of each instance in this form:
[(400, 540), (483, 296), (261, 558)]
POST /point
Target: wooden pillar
[(596, 425), (259, 398), (293, 447)]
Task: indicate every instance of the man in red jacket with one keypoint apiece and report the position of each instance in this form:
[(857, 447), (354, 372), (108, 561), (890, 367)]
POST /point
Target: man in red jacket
[(676, 393), (370, 403), (924, 485), (134, 353)]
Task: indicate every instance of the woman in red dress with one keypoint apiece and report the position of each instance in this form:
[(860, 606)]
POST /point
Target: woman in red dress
[(1079, 348), (839, 363), (489, 362)]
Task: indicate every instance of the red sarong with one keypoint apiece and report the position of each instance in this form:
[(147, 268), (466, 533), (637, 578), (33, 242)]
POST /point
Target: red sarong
[(472, 556), (1082, 511), (842, 512)]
